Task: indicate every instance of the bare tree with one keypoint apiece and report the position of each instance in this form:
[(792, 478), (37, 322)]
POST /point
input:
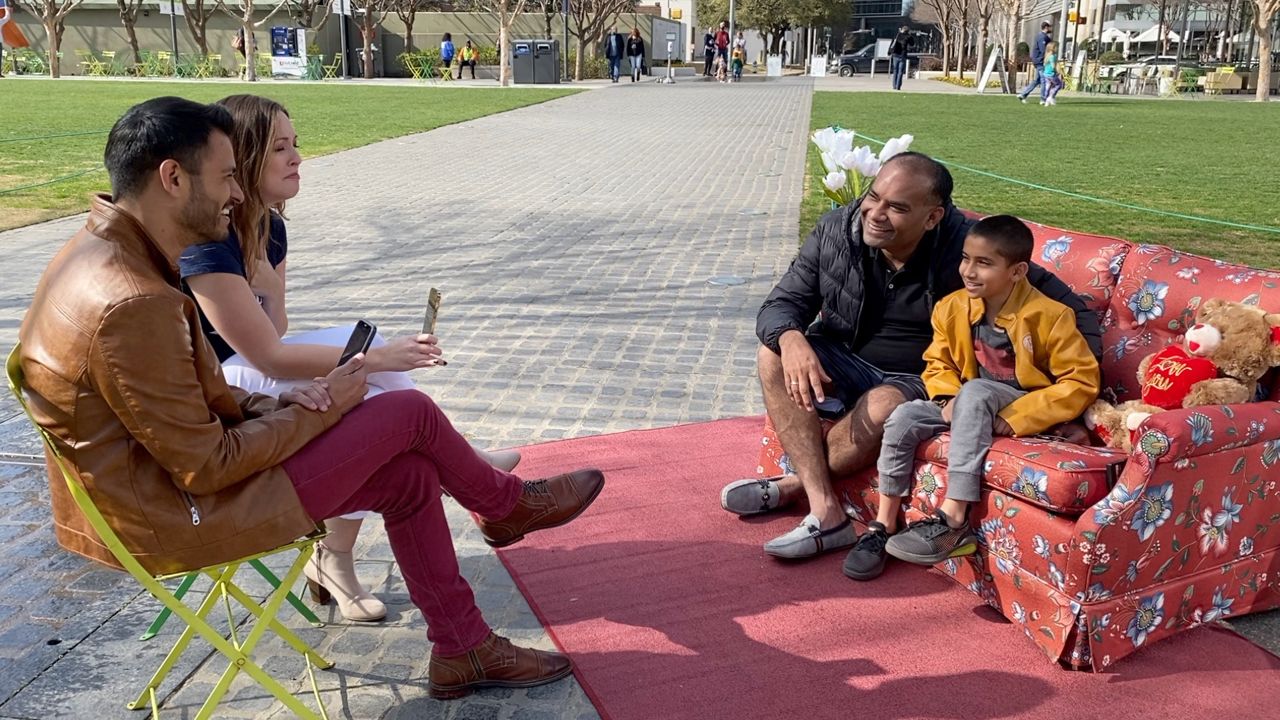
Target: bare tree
[(197, 13), (590, 19), (53, 15), (129, 18), (1264, 14), (304, 12), (982, 12), (407, 11), (505, 12), (941, 13), (247, 25), (550, 9), (369, 14)]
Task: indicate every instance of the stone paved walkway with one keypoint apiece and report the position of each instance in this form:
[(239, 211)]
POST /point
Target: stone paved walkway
[(572, 242)]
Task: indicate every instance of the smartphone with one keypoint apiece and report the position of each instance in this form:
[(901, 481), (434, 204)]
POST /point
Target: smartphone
[(433, 309), (359, 342)]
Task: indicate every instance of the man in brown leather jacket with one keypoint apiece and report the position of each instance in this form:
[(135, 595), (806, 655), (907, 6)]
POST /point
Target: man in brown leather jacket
[(190, 472)]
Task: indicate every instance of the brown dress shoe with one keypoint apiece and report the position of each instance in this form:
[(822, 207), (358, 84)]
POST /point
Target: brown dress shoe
[(494, 663), (544, 504)]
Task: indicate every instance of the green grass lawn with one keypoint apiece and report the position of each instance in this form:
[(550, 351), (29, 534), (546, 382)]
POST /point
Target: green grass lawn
[(1197, 157), (328, 118)]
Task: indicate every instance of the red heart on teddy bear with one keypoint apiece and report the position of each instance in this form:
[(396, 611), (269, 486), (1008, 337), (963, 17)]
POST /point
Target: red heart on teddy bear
[(1171, 374)]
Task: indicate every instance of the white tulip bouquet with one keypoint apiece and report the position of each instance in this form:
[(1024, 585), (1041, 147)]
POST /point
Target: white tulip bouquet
[(848, 170)]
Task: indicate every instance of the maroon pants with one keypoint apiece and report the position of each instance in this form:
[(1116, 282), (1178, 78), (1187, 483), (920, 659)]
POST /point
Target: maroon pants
[(393, 454)]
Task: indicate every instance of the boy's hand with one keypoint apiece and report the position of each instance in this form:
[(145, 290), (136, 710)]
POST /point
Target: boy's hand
[(1000, 427)]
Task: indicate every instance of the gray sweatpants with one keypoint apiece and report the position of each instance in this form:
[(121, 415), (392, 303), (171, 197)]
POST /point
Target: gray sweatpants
[(973, 412)]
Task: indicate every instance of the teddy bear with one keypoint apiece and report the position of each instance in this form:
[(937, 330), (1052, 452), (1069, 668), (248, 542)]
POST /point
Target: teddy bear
[(1219, 362)]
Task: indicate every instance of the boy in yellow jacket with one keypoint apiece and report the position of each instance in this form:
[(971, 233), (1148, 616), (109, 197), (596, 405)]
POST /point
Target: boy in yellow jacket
[(1005, 360)]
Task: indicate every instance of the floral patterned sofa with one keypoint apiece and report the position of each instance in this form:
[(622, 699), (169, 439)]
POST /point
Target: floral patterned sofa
[(1095, 553)]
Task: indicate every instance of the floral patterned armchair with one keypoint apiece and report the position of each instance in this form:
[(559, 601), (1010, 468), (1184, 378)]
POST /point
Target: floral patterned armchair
[(1095, 553)]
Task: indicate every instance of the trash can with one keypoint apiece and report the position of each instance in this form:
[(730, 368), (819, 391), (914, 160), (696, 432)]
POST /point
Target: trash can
[(522, 69), (546, 62)]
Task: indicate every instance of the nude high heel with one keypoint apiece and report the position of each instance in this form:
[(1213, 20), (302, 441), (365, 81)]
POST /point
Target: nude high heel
[(331, 575)]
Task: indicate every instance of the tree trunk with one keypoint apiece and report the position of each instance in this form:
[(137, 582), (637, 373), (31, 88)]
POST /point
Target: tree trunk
[(1262, 22), (504, 59), (366, 41), (408, 32), (133, 40), (55, 41), (579, 49), (983, 29), (250, 52)]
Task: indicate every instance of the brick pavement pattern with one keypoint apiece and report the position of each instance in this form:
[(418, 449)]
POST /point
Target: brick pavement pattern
[(572, 242)]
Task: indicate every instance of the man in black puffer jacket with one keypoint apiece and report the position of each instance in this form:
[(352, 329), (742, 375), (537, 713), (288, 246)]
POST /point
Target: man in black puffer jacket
[(873, 270)]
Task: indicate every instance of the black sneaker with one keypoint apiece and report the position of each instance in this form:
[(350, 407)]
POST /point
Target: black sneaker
[(866, 560), (932, 540)]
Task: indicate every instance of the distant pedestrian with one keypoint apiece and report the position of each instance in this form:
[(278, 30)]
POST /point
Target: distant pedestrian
[(635, 54), (740, 43), (708, 51), (721, 74), (615, 46), (898, 58), (739, 59), (1037, 61), (467, 57), (722, 42), (1052, 75), (446, 50)]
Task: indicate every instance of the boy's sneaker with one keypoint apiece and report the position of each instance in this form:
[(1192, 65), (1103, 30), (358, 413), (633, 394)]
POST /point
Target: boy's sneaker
[(932, 540), (866, 560), (1023, 99)]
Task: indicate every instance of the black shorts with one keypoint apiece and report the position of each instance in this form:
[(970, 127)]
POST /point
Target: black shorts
[(851, 376)]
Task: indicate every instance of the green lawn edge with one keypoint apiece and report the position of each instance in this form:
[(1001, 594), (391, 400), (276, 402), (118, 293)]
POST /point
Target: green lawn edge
[(329, 118), (1199, 157)]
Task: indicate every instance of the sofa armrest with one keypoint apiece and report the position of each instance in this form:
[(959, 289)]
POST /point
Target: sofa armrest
[(1191, 432), (1195, 491)]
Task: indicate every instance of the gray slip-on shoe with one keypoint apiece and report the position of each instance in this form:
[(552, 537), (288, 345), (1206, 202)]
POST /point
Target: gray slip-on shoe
[(807, 540), (751, 496)]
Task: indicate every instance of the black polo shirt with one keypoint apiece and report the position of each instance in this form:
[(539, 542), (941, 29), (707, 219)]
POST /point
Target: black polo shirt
[(896, 308)]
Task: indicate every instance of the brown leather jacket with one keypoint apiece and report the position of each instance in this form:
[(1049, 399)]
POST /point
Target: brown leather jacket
[(183, 467)]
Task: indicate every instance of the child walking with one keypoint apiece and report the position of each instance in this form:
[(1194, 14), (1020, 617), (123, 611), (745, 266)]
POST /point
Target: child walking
[(739, 58), (1052, 77), (1005, 360)]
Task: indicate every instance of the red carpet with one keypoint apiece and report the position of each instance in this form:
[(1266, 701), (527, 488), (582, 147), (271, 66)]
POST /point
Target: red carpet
[(671, 610)]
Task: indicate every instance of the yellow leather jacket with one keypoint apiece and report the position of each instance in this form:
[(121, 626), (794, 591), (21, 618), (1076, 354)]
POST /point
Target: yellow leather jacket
[(1052, 361)]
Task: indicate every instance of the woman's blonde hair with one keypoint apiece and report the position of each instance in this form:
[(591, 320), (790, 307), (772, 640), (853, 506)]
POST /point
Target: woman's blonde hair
[(1050, 46), (255, 121)]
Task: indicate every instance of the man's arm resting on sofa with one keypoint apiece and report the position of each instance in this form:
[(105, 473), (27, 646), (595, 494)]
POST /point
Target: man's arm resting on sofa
[(149, 380)]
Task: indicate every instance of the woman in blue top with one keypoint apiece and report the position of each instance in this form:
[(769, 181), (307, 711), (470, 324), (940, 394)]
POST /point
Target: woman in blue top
[(446, 50), (239, 286)]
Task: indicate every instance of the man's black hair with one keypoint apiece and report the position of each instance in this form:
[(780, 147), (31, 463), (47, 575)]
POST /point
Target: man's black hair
[(1010, 236), (159, 129), (1046, 26), (939, 177)]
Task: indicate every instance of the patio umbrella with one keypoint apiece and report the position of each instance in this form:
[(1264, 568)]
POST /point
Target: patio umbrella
[(1114, 35), (1152, 34)]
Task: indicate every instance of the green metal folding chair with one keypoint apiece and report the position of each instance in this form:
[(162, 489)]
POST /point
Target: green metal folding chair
[(238, 653)]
